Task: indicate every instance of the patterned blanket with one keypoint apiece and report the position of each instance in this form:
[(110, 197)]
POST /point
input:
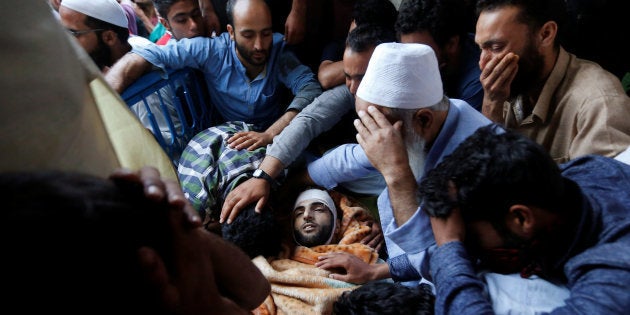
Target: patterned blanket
[(297, 286)]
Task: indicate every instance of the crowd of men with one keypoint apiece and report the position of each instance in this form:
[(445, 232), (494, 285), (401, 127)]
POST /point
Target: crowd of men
[(443, 168)]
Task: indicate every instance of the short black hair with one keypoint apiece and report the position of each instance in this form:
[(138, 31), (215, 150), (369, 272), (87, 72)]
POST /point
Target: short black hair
[(386, 298), (255, 233), (490, 171), (365, 37), (443, 19), (381, 13), (534, 13), (163, 6)]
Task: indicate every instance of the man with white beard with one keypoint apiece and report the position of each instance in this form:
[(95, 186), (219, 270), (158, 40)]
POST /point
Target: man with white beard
[(400, 93)]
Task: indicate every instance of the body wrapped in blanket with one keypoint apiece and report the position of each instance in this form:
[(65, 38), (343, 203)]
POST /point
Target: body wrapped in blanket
[(298, 287)]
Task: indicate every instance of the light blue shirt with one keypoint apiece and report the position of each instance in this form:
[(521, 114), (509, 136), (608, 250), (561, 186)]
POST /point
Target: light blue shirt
[(349, 162), (235, 96)]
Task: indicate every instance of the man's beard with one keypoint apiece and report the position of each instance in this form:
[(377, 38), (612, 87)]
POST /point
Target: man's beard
[(311, 240), (530, 67), (415, 149), (247, 54), (102, 54)]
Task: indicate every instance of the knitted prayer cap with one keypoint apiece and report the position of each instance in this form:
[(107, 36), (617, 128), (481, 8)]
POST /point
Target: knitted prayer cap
[(105, 10), (402, 76)]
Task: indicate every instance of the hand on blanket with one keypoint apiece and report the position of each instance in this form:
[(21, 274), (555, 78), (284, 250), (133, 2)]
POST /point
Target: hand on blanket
[(375, 239), (356, 270)]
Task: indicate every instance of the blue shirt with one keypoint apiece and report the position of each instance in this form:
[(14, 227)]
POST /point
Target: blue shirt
[(349, 162), (235, 96), (466, 85), (596, 264)]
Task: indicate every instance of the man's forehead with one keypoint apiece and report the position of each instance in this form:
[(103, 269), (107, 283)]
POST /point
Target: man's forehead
[(308, 202)]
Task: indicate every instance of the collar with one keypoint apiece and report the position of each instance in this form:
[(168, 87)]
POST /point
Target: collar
[(544, 107)]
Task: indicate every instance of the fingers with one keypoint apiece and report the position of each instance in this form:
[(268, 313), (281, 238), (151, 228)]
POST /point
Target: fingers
[(154, 187), (260, 204), (177, 200)]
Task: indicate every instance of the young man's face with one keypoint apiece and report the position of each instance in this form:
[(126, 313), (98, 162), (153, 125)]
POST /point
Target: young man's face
[(184, 20), (354, 66), (312, 223)]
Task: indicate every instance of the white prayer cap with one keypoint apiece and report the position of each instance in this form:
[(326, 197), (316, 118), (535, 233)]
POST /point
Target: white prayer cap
[(323, 197), (402, 76), (105, 10)]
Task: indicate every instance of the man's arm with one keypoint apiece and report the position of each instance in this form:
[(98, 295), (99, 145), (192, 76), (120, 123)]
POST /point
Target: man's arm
[(330, 74), (356, 270), (384, 146), (317, 117), (295, 25), (126, 71)]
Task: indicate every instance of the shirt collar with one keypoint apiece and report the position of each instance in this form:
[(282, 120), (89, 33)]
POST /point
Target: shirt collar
[(543, 107)]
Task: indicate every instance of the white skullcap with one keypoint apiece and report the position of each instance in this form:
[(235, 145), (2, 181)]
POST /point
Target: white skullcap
[(323, 197), (105, 10), (402, 76)]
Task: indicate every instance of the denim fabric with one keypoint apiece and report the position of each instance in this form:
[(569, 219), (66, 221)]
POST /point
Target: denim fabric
[(236, 97)]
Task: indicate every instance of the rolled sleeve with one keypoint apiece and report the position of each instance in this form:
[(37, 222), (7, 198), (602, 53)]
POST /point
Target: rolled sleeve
[(344, 163), (419, 226)]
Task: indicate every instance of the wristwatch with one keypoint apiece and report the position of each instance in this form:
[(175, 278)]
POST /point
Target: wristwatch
[(258, 173)]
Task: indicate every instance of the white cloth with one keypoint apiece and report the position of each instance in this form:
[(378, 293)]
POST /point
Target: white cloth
[(105, 10), (513, 295), (624, 156), (393, 68)]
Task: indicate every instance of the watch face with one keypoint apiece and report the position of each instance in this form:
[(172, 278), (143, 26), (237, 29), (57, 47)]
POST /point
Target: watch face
[(258, 173)]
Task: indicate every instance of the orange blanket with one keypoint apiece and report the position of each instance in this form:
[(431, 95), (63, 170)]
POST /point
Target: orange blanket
[(297, 286)]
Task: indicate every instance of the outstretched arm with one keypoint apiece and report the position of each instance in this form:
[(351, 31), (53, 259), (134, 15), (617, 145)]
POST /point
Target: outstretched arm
[(126, 71), (295, 25)]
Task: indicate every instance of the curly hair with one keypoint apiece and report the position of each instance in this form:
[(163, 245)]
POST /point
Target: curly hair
[(490, 171), (443, 19), (380, 13), (255, 233), (386, 298)]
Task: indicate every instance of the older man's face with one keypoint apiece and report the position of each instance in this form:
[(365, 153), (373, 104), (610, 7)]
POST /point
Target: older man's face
[(414, 141), (312, 223)]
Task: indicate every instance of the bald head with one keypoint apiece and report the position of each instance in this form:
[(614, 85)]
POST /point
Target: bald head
[(237, 10)]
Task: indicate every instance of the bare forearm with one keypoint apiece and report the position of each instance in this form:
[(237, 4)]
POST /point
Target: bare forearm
[(493, 110), (271, 166), (330, 74), (299, 6), (403, 195), (380, 271), (126, 71)]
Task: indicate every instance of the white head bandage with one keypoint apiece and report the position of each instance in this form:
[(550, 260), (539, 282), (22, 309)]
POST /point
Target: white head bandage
[(105, 10), (323, 197), (402, 76)]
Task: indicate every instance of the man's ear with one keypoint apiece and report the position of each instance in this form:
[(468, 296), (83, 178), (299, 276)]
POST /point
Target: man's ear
[(547, 34), (230, 30), (166, 24), (521, 220), (452, 45), (109, 37), (423, 120), (157, 277)]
